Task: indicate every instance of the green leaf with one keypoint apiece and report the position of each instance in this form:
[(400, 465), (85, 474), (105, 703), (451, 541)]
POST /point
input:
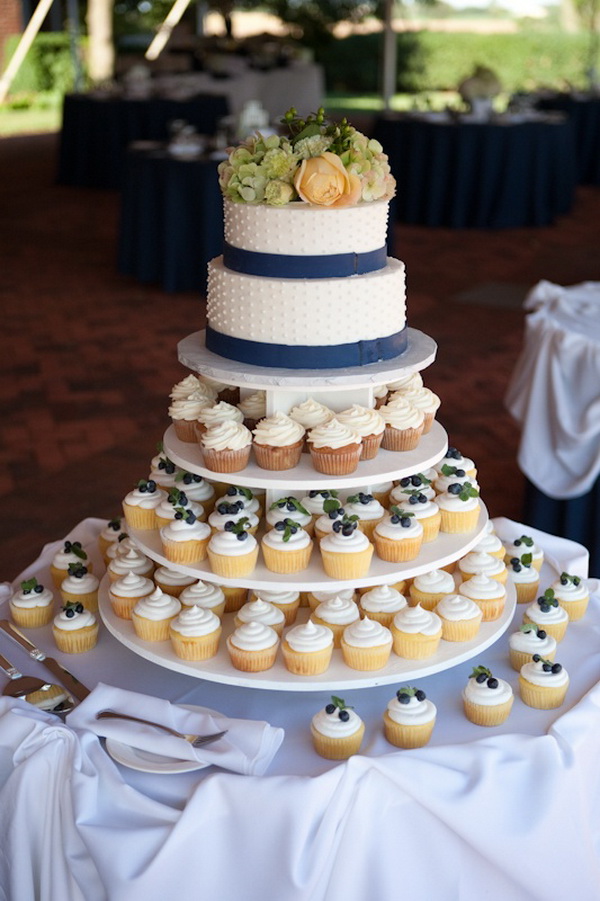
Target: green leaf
[(526, 559), (245, 491), (331, 503), (480, 670), (29, 584)]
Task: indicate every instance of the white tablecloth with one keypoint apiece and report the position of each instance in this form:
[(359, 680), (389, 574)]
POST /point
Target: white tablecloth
[(555, 389), (508, 812)]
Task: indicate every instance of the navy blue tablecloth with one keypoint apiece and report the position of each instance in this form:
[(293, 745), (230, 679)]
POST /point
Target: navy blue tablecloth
[(584, 117), (488, 175), (577, 518), (171, 221), (95, 132)]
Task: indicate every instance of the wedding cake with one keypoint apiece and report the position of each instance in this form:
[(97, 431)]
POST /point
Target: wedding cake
[(304, 281)]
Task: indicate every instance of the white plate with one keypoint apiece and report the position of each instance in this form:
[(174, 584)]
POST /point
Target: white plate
[(146, 762)]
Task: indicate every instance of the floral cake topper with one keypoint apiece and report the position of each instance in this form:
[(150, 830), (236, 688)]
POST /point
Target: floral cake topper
[(318, 161)]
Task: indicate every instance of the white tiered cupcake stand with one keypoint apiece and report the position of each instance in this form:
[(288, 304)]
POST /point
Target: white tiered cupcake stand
[(337, 389)]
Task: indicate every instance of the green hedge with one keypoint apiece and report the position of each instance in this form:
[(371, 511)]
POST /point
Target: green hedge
[(431, 61), (47, 67)]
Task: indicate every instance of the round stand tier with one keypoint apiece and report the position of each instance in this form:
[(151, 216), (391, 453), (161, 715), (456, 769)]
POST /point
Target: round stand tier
[(385, 466), (445, 549), (192, 352), (338, 677)]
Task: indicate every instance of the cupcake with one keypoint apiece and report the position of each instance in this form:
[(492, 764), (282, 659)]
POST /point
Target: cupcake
[(572, 594), (225, 512), (151, 616), (490, 543), (369, 424), (524, 577), (253, 647), (139, 506), (487, 701), (235, 597), (197, 489), (195, 633), (112, 548), (307, 649), (72, 552), (260, 611), (479, 563), (460, 616), (127, 591), (429, 588), (184, 415), (366, 645), (409, 718), (422, 399), (381, 603), (185, 539), (32, 606), (381, 492), (333, 511), (548, 613), (406, 380), (336, 613), (460, 508), (174, 501), (543, 683), (214, 414), (398, 537), (346, 552), (233, 553), (314, 501), (226, 447), (109, 534), (81, 587), (130, 560), (528, 640), (75, 629), (205, 595), (288, 601), (418, 481), (425, 511), (416, 633), (314, 598), (171, 581), (310, 414), (278, 442), (191, 384), (286, 548), (337, 731), (237, 493), (334, 448), (525, 545), (290, 507), (380, 394), (368, 510), (163, 471), (452, 475), (453, 457), (253, 408), (488, 594), (403, 426)]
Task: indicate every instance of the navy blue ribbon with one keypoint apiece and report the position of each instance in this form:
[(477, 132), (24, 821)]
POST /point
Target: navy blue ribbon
[(333, 265), (306, 356)]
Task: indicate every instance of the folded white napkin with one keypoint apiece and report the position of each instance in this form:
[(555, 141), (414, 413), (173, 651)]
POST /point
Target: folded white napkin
[(248, 747)]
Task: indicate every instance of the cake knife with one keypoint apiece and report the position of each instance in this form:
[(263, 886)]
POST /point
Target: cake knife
[(63, 675)]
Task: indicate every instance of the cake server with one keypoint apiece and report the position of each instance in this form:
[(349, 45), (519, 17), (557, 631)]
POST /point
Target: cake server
[(63, 675)]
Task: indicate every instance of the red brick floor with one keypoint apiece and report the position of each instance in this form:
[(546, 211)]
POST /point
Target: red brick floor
[(87, 357)]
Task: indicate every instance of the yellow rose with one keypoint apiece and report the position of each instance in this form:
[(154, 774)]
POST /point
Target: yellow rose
[(323, 180)]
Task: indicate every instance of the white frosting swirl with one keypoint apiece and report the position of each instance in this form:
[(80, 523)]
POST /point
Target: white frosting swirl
[(281, 597), (482, 588), (347, 594), (332, 726), (213, 414), (278, 513), (420, 397), (553, 615), (62, 559), (308, 637), (338, 611), (456, 459), (32, 599), (442, 482), (481, 693), (278, 430), (530, 643), (382, 599), (534, 672), (417, 621), (251, 505), (368, 511), (454, 504), (181, 530), (217, 520), (198, 491), (187, 408), (195, 621), (400, 493), (415, 713), (261, 612), (132, 585), (131, 561), (489, 544), (420, 510), (77, 621), (517, 550), (333, 434), (229, 545), (402, 415), (314, 504), (526, 575), (191, 385), (167, 510), (157, 606), (362, 420), (406, 380), (310, 413), (88, 583), (479, 562), (254, 406), (147, 500), (253, 636), (296, 540), (367, 633), (202, 594), (226, 435), (172, 577), (570, 592), (336, 542), (397, 531), (435, 581), (456, 607)]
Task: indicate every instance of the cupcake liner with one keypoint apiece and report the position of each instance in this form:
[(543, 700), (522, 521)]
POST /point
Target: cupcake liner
[(201, 647), (500, 577), (397, 551), (366, 659), (556, 630), (527, 592), (311, 663), (428, 422), (185, 429), (142, 518), (76, 641), (151, 629), (401, 439), (233, 567), (277, 627), (89, 599), (487, 714), (463, 521), (235, 597), (335, 462), (379, 616), (280, 561), (575, 609), (278, 458), (122, 606), (520, 658), (415, 646), (491, 608), (252, 661), (337, 748), (32, 617), (367, 526), (290, 611), (185, 551), (226, 460), (460, 630), (427, 599), (347, 566), (336, 628), (431, 526), (544, 698), (403, 736), (370, 446)]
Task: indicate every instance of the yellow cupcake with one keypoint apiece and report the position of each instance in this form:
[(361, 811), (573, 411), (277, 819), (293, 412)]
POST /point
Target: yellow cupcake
[(139, 505), (336, 613), (487, 701), (429, 588), (527, 641), (409, 718), (253, 647), (80, 586), (547, 613), (286, 548), (235, 597), (75, 629), (416, 633), (286, 601), (127, 591), (459, 509), (488, 594), (366, 645), (460, 616), (307, 649), (398, 537), (261, 612), (195, 633), (152, 616), (71, 552), (543, 683), (479, 563), (346, 555), (234, 553), (572, 595), (337, 731), (32, 606)]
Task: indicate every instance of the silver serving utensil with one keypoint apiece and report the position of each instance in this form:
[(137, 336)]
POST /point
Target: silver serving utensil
[(196, 741), (45, 695)]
